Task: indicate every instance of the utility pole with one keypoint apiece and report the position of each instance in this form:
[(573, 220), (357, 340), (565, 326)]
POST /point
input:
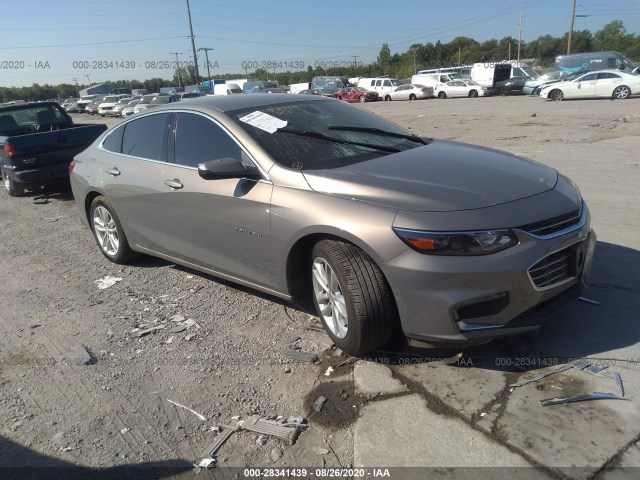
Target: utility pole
[(193, 44), (75, 80), (571, 18), (88, 79), (178, 68), (415, 66), (206, 54), (355, 64), (520, 36)]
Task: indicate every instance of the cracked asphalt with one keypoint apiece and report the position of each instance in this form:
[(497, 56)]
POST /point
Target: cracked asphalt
[(442, 410)]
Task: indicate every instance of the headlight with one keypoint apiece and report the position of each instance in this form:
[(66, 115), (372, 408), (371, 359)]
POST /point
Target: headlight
[(457, 243)]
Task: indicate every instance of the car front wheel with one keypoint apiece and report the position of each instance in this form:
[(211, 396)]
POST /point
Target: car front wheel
[(387, 98), (108, 231), (473, 93), (622, 92), (363, 99), (442, 95), (352, 297)]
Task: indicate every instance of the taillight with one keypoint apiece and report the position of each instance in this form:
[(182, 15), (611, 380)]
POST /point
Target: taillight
[(9, 149), (71, 165)]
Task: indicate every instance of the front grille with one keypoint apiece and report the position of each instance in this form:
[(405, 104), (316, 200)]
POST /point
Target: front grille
[(552, 225), (554, 269)]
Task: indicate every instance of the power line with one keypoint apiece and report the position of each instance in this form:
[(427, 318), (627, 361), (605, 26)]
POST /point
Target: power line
[(92, 43)]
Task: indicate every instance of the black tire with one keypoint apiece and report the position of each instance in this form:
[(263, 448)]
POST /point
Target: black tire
[(121, 253), (412, 96), (621, 92), (13, 188), (442, 95), (556, 95), (370, 308), (473, 93), (504, 91), (387, 98)]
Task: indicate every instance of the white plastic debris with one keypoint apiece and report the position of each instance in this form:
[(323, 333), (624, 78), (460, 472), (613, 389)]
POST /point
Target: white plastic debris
[(328, 372), (199, 415), (125, 430), (207, 462), (107, 281)]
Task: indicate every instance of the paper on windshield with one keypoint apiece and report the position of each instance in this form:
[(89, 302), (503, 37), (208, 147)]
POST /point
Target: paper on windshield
[(264, 121)]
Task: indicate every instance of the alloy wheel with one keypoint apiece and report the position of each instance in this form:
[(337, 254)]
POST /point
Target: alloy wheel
[(106, 231), (330, 298)]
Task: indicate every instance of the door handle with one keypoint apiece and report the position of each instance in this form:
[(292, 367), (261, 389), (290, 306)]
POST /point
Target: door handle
[(113, 171), (175, 183)]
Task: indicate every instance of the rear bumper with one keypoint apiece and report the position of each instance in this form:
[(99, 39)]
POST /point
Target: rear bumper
[(39, 175)]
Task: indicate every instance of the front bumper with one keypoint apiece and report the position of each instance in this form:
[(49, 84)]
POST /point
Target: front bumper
[(468, 300)]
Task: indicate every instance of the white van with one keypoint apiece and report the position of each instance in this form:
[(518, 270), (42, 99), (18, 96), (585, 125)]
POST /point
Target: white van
[(435, 80), (488, 74), (226, 89), (381, 85)]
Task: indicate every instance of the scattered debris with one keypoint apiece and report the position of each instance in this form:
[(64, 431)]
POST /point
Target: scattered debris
[(328, 372), (276, 454), (170, 340), (581, 398), (483, 414), (287, 369), (320, 450), (207, 462), (142, 333), (220, 440), (619, 383), (188, 338), (319, 403), (309, 357), (215, 429), (82, 355), (588, 300), (451, 360), (261, 441), (579, 364), (199, 415), (191, 323), (347, 362), (124, 430), (595, 369), (343, 394), (283, 429), (289, 340), (107, 281), (178, 329), (176, 318)]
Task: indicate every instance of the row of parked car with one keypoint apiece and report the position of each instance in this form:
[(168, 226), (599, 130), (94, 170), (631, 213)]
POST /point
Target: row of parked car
[(556, 85)]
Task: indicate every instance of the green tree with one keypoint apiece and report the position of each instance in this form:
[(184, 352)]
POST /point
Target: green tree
[(613, 36), (384, 57)]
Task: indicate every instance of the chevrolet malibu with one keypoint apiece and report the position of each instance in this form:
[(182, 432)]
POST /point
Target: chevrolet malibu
[(320, 202)]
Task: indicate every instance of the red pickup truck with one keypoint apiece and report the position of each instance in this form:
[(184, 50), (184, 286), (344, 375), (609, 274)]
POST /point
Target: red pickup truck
[(38, 142)]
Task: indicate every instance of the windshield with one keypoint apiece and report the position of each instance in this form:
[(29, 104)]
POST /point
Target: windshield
[(111, 99), (289, 133), (471, 82)]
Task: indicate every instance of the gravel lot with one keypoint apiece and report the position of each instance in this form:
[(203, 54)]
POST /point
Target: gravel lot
[(56, 411)]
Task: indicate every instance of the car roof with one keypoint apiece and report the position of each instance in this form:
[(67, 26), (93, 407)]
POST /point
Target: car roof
[(225, 103)]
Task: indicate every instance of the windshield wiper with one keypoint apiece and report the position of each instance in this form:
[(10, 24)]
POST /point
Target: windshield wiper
[(321, 136), (377, 131)]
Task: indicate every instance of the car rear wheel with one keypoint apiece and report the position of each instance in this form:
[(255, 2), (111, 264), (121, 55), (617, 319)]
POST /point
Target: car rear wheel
[(473, 93), (108, 231), (412, 96), (363, 98), (442, 95), (556, 95), (13, 188), (621, 92), (504, 91), (352, 297), (387, 98)]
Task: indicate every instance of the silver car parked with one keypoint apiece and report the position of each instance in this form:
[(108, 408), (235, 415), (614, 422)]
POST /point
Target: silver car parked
[(320, 202)]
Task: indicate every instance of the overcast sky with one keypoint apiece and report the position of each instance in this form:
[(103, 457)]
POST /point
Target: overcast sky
[(51, 41)]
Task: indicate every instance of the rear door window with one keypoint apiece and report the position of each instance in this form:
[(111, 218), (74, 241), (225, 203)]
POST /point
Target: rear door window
[(113, 141), (146, 136)]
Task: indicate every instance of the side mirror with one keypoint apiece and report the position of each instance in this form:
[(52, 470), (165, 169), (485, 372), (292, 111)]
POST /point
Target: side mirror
[(227, 168)]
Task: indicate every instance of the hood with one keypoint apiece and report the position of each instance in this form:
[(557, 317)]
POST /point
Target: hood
[(440, 177)]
